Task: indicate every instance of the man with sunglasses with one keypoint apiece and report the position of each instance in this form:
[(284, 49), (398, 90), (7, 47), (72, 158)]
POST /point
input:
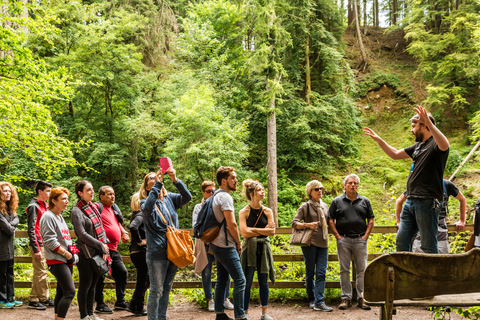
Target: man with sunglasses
[(204, 260), (351, 220), (425, 182)]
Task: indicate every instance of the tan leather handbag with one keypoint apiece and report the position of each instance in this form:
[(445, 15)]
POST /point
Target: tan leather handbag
[(180, 248)]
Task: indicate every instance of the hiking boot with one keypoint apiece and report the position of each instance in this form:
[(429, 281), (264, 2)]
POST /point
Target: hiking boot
[(222, 316), (346, 303), (323, 307), (103, 308), (36, 305), (121, 305), (362, 305), (228, 304), (48, 303), (211, 305)]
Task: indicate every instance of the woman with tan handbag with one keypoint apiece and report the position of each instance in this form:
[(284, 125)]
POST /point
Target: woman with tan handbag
[(161, 271), (256, 225), (314, 214)]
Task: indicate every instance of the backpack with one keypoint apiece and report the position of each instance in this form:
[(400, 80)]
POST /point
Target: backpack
[(207, 227), (116, 211)]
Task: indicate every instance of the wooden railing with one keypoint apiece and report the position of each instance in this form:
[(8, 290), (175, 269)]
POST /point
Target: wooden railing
[(198, 284)]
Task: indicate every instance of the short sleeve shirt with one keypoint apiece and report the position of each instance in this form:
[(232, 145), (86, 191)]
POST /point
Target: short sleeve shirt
[(223, 202), (426, 172), (350, 217)]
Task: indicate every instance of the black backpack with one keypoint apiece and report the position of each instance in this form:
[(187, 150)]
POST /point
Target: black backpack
[(207, 227)]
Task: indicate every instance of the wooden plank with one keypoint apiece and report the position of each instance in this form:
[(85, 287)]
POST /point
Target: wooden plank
[(198, 284)]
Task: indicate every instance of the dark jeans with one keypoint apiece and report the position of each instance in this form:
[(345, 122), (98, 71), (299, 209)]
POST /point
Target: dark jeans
[(86, 286), (7, 292), (316, 260), (207, 278), (65, 288), (228, 265), (119, 274), (262, 284), (138, 298)]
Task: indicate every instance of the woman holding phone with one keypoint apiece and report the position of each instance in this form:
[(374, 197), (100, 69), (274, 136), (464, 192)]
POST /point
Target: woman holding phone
[(160, 203)]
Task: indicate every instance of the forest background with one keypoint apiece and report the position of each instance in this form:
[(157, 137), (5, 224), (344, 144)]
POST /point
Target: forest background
[(99, 90)]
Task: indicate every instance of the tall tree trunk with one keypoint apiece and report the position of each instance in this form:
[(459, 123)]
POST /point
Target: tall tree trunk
[(272, 160), (308, 82), (394, 12), (350, 13), (374, 21), (365, 22), (377, 15), (360, 42)]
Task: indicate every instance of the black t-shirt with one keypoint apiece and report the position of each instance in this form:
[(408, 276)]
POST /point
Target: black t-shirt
[(253, 217), (350, 217), (426, 172)]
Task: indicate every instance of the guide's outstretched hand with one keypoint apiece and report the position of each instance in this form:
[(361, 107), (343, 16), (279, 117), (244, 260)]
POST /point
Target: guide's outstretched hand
[(369, 132)]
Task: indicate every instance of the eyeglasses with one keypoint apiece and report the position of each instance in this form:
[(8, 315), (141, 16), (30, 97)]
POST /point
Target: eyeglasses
[(317, 189), (151, 178), (210, 191), (353, 182)]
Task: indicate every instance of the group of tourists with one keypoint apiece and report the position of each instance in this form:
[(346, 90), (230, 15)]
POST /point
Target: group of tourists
[(99, 230)]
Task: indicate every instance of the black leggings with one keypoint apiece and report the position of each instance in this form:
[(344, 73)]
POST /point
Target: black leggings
[(86, 286), (65, 288), (7, 292), (138, 297)]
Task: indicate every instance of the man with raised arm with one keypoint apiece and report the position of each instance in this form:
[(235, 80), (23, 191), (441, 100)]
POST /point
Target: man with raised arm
[(425, 182), (226, 247)]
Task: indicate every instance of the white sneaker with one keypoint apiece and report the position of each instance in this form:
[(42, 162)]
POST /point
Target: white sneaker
[(266, 316), (211, 305), (86, 318), (228, 304), (95, 317)]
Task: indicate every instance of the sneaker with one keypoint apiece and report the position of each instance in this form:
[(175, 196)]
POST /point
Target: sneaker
[(222, 316), (245, 317), (130, 309), (266, 316), (6, 305), (95, 317), (228, 304), (17, 303), (140, 313), (362, 305), (48, 303), (103, 308), (211, 305), (86, 318), (312, 305), (323, 307), (346, 303), (121, 305), (36, 305)]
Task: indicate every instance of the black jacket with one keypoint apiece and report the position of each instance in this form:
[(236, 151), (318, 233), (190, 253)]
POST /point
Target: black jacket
[(86, 235), (137, 230), (7, 233)]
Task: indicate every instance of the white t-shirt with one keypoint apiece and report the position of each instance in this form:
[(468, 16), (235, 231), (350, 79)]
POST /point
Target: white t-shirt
[(223, 202)]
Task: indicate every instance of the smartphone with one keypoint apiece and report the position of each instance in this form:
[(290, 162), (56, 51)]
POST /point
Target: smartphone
[(165, 163)]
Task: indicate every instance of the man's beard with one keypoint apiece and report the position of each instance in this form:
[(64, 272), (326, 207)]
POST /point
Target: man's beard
[(419, 137)]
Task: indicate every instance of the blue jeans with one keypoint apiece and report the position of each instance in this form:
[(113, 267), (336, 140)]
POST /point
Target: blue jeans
[(419, 214), (161, 273), (262, 284), (316, 260), (346, 249), (207, 278), (228, 265)]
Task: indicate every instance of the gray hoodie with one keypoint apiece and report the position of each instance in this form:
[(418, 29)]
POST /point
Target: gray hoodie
[(54, 233)]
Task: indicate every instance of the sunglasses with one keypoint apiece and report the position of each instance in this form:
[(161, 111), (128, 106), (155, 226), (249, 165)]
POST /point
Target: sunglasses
[(317, 189), (151, 178), (210, 191)]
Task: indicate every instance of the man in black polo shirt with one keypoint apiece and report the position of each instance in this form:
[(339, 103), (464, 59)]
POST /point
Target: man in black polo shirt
[(425, 181), (347, 218)]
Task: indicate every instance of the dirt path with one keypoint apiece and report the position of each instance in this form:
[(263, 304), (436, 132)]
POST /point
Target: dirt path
[(192, 311)]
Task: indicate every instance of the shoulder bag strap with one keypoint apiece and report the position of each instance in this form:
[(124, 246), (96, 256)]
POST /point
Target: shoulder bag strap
[(87, 251), (161, 215), (258, 217)]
